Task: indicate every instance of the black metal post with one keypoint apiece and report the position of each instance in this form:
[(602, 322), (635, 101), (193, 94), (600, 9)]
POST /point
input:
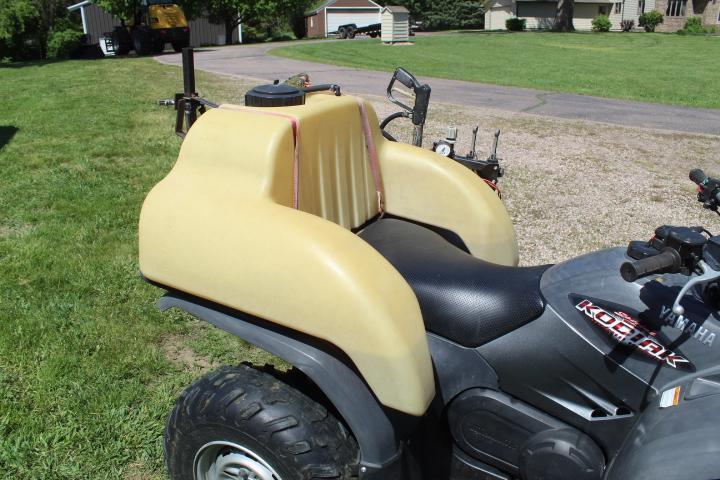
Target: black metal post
[(188, 62)]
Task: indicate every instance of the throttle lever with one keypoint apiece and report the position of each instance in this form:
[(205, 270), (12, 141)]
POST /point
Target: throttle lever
[(708, 275)]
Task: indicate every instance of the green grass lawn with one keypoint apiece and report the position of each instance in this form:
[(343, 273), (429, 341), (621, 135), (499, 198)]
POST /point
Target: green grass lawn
[(85, 383), (660, 68)]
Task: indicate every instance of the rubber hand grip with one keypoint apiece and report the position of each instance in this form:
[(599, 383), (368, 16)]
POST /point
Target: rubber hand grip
[(668, 261), (406, 78), (697, 176)]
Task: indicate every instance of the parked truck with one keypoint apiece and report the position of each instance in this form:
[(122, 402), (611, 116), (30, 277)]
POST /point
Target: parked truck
[(154, 24)]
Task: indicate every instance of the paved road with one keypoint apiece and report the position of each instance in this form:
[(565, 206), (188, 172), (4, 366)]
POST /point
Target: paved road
[(251, 61)]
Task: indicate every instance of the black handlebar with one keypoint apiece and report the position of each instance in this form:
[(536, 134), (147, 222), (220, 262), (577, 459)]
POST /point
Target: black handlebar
[(406, 78), (418, 112), (708, 189), (667, 261)]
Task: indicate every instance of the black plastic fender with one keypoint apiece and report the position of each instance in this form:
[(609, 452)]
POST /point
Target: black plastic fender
[(676, 442), (380, 451)]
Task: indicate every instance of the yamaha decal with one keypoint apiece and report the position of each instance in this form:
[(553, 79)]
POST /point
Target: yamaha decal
[(627, 331)]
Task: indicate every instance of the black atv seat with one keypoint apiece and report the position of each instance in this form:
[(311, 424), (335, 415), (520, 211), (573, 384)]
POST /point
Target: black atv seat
[(462, 298)]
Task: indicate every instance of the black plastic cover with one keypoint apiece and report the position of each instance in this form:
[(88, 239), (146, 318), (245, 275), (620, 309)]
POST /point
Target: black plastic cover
[(712, 252), (280, 95), (506, 433)]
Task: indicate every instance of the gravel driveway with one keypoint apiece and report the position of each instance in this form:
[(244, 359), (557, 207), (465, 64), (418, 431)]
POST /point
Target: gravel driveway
[(571, 186), (575, 186)]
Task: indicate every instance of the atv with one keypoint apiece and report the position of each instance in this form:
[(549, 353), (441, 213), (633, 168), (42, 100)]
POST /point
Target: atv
[(386, 275)]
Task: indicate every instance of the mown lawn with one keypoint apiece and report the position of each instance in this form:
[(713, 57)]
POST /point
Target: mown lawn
[(659, 68), (89, 368)]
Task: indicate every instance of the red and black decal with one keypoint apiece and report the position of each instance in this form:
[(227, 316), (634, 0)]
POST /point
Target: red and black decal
[(626, 330)]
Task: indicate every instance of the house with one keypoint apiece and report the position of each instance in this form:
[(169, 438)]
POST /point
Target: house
[(540, 14), (325, 19), (676, 13), (96, 22)]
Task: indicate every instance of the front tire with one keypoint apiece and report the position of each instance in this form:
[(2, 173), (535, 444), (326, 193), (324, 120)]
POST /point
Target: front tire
[(142, 43), (158, 47), (239, 422), (121, 42)]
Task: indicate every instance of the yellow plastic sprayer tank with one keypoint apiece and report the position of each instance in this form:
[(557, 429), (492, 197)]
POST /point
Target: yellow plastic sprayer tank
[(222, 226)]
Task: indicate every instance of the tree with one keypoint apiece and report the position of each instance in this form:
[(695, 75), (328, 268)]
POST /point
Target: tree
[(14, 14), (564, 16), (258, 14), (48, 11), (443, 14), (25, 26), (417, 8), (17, 18), (122, 9), (470, 14)]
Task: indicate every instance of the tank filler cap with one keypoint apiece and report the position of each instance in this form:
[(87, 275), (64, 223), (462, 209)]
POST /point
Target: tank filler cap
[(278, 95)]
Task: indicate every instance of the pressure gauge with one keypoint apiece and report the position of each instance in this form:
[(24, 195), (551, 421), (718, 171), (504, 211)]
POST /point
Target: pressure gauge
[(444, 148)]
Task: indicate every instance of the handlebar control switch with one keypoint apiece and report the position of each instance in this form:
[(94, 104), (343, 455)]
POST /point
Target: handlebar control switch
[(688, 242)]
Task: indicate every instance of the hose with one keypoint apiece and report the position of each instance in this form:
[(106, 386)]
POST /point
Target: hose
[(390, 118)]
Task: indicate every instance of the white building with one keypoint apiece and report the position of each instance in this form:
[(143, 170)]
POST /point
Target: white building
[(539, 14)]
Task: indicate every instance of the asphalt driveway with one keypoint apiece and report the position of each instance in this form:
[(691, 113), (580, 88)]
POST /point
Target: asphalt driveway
[(252, 62)]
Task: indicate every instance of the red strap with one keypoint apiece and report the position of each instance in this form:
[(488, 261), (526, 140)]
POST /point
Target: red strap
[(494, 186), (372, 155), (296, 140)]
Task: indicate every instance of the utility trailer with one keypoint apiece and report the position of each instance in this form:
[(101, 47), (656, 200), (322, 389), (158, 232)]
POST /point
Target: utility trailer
[(351, 30)]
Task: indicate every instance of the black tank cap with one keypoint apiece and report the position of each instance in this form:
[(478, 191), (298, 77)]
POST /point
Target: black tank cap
[(280, 95)]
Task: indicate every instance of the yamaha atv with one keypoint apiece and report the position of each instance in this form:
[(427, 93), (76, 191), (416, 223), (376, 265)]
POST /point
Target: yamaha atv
[(387, 276)]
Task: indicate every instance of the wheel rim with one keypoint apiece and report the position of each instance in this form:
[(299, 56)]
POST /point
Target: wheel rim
[(230, 461)]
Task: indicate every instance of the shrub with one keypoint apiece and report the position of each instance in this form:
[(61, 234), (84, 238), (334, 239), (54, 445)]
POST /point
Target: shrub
[(601, 23), (63, 42), (694, 25), (282, 37), (650, 20), (515, 24), (627, 25)]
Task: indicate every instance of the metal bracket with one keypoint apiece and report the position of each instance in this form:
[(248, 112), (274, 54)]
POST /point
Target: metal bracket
[(188, 104)]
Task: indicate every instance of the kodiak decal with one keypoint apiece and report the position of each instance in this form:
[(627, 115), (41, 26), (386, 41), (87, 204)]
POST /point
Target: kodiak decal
[(627, 331)]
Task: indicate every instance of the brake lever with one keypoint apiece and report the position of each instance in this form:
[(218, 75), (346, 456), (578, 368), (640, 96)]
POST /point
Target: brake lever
[(708, 275), (410, 95), (391, 98)]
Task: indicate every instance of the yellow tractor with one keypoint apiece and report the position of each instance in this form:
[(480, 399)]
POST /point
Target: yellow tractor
[(154, 24)]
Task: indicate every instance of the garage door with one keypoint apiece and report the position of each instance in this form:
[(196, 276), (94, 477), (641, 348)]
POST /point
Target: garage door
[(537, 14), (362, 17)]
